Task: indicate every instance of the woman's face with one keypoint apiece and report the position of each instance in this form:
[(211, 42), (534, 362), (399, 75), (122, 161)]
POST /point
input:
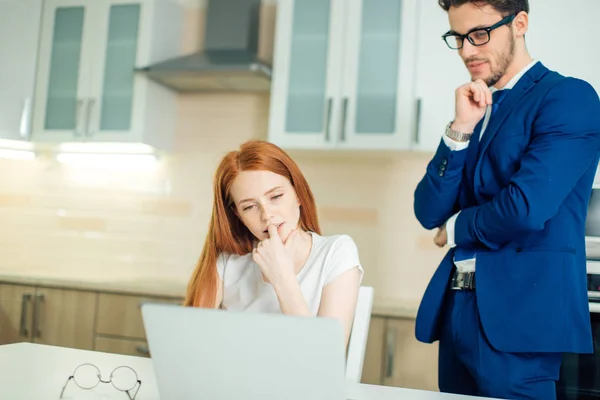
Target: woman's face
[(262, 198)]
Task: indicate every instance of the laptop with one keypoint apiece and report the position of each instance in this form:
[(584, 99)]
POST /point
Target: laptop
[(216, 354)]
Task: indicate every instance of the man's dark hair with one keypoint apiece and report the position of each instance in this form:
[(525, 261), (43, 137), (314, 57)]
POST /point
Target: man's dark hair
[(504, 7)]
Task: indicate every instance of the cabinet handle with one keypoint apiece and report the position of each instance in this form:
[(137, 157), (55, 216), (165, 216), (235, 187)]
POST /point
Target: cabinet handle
[(143, 350), (25, 126), (328, 118), (390, 347), (78, 107), (344, 112), (37, 310), (24, 301), (418, 121), (88, 116)]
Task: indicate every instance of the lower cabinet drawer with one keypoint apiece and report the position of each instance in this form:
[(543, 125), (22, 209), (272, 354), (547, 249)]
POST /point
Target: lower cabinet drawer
[(121, 315), (122, 346)]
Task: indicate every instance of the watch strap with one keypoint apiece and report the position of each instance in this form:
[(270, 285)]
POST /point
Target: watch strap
[(457, 136)]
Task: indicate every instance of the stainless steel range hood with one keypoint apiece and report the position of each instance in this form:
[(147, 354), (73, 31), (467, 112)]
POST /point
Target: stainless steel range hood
[(228, 61)]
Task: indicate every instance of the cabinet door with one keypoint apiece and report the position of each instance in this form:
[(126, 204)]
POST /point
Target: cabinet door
[(306, 73), (19, 30), (570, 49), (64, 318), (439, 72), (375, 83), (373, 362), (120, 315), (16, 310), (111, 106), (408, 362), (63, 81)]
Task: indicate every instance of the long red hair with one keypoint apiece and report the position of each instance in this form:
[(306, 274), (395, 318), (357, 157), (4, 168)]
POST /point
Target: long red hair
[(226, 233)]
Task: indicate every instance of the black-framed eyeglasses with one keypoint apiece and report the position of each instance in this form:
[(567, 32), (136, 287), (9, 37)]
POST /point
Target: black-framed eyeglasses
[(477, 36), (88, 376)]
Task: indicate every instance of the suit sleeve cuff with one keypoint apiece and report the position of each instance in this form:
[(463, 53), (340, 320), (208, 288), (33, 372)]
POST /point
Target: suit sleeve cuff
[(464, 228), (446, 161)]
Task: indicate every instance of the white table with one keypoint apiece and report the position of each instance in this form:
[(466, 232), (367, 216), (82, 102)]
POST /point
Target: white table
[(31, 371)]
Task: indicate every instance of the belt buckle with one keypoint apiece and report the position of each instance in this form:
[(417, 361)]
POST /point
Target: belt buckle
[(463, 280)]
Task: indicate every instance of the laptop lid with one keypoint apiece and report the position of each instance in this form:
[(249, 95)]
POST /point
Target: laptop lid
[(215, 354)]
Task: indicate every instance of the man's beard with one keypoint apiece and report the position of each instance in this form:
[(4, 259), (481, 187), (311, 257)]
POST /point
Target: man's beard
[(503, 63)]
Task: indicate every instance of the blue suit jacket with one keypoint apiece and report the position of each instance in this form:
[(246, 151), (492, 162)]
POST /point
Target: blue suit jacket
[(531, 186)]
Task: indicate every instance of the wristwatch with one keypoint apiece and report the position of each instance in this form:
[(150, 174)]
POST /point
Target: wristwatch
[(455, 135)]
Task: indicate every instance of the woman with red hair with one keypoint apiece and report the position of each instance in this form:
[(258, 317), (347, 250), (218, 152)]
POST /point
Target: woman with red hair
[(264, 251)]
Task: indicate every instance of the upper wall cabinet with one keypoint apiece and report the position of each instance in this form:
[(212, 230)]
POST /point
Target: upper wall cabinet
[(87, 89), (439, 72), (19, 32), (342, 74), (572, 50)]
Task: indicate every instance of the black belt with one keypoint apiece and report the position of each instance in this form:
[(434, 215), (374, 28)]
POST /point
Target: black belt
[(462, 280)]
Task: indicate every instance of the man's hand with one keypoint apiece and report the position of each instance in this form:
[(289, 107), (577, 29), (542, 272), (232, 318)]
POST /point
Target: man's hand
[(441, 237), (471, 101)]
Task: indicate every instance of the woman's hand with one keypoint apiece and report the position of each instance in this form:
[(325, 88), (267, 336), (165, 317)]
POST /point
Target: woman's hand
[(273, 256)]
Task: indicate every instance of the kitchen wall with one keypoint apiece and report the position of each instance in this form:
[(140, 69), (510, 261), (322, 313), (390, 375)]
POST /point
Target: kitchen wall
[(149, 224)]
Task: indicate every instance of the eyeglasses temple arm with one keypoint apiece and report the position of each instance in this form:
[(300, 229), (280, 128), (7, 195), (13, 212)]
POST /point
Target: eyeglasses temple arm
[(65, 386), (136, 391)]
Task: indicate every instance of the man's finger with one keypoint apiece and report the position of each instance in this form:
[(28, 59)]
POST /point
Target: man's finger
[(438, 241)]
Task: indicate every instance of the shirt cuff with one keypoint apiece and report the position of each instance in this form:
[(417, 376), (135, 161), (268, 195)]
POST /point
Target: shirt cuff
[(450, 229), (454, 145)]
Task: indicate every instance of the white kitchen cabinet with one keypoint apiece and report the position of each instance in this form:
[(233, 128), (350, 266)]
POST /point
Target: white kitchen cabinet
[(572, 50), (439, 71), (342, 74), (19, 32), (87, 88)]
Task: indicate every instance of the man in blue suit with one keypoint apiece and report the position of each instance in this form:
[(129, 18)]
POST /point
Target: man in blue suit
[(508, 189)]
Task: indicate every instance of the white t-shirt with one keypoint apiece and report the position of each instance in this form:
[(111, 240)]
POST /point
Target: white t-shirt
[(245, 290)]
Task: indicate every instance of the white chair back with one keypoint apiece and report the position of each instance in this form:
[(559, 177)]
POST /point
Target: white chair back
[(359, 334)]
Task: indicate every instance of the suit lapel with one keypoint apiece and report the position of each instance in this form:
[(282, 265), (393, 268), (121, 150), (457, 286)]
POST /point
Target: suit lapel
[(523, 86)]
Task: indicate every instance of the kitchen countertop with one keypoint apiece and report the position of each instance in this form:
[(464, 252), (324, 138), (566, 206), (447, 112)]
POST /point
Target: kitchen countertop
[(48, 366), (123, 285), (163, 287)]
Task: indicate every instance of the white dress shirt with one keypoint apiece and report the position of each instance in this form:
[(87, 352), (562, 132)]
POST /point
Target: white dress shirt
[(469, 264)]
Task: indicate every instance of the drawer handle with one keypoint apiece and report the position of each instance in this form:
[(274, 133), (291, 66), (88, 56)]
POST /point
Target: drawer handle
[(25, 300), (390, 349), (37, 311), (143, 350)]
